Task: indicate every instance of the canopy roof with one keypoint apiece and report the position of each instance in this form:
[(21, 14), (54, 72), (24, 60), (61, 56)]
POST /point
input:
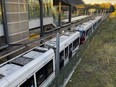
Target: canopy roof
[(68, 2)]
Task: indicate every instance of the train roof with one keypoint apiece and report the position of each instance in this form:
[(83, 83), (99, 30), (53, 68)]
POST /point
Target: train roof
[(86, 25), (93, 21), (76, 18), (15, 65), (65, 40)]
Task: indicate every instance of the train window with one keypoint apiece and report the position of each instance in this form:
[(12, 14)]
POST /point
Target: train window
[(88, 31), (49, 67), (75, 43), (70, 47), (83, 34), (62, 55), (40, 76), (70, 50), (66, 52), (44, 72), (29, 82), (61, 59)]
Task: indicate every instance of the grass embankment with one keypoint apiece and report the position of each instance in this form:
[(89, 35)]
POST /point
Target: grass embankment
[(98, 66)]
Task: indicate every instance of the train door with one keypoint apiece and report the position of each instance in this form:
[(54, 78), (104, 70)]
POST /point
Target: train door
[(61, 59), (75, 46), (70, 51), (83, 37), (66, 56)]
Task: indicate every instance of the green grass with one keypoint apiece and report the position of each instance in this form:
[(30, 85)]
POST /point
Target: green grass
[(98, 66)]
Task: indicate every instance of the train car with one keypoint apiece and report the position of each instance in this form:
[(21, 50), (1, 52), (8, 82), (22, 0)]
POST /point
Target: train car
[(69, 43), (96, 22), (87, 28), (35, 68)]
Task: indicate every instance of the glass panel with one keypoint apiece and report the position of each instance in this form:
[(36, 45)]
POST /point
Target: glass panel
[(74, 12), (61, 59), (70, 51), (66, 52), (0, 14), (49, 67), (75, 43), (44, 72), (29, 83), (88, 32), (64, 14), (62, 55), (40, 76), (2, 37), (34, 9), (47, 8)]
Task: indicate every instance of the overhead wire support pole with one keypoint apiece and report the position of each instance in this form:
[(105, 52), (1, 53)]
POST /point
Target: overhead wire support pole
[(57, 60), (5, 21), (41, 18), (70, 13), (59, 18)]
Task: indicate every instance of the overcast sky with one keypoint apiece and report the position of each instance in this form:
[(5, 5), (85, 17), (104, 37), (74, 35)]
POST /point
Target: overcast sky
[(99, 1)]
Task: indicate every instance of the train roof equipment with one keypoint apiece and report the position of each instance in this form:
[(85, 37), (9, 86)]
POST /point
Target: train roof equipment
[(86, 25), (65, 40)]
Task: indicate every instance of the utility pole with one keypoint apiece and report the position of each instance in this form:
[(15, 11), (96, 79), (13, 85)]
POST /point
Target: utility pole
[(57, 60)]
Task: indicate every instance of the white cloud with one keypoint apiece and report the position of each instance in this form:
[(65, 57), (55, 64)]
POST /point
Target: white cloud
[(100, 1)]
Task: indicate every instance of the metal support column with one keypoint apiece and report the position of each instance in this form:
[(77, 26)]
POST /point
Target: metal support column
[(5, 21), (59, 18), (57, 60), (41, 18), (70, 13)]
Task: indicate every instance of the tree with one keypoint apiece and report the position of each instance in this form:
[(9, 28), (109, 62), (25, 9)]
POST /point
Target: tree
[(112, 8)]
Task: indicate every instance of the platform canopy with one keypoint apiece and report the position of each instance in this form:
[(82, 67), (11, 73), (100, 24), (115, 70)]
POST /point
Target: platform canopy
[(68, 2)]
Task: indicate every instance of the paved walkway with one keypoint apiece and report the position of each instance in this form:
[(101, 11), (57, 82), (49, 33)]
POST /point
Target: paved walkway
[(98, 66)]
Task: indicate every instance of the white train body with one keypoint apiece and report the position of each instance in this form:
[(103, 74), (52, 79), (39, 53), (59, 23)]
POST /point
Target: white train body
[(87, 28), (67, 42), (36, 67), (17, 71)]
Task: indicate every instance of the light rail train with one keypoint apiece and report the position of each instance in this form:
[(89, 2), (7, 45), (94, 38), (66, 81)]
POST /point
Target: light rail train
[(36, 67)]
